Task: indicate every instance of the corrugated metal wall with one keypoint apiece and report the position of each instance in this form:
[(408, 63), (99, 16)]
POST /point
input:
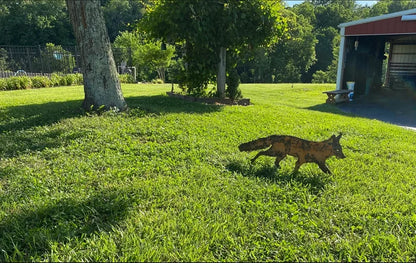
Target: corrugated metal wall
[(402, 65)]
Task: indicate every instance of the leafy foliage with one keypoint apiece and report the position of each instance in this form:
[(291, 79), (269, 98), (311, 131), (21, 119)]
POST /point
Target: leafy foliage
[(233, 81), (324, 16), (25, 82), (54, 58), (35, 22), (147, 55), (330, 74), (121, 15), (311, 27), (203, 27), (126, 78), (295, 54), (40, 82)]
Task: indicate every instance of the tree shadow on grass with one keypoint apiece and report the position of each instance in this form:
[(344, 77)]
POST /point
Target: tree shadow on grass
[(161, 104), (15, 143), (16, 121), (316, 182), (27, 116), (29, 234), (16, 136)]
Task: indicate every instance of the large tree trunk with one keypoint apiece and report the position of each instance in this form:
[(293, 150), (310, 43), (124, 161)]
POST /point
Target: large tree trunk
[(101, 83), (221, 73)]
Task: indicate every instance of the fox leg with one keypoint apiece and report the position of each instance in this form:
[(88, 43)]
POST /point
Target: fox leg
[(298, 163), (279, 157), (268, 152), (324, 168)]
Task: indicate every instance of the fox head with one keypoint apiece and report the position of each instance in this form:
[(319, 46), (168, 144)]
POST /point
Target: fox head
[(336, 146)]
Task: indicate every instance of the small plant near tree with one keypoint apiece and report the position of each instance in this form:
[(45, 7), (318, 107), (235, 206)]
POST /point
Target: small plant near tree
[(233, 81)]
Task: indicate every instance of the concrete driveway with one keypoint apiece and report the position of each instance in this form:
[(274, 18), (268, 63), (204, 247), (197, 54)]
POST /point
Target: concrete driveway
[(397, 107)]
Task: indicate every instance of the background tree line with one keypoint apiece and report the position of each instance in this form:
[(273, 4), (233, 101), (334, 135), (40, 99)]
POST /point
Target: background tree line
[(306, 50)]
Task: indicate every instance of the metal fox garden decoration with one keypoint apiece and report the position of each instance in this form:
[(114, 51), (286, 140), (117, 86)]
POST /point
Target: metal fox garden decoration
[(305, 151)]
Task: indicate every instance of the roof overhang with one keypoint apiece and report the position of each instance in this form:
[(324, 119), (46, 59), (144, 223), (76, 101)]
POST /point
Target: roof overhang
[(399, 23)]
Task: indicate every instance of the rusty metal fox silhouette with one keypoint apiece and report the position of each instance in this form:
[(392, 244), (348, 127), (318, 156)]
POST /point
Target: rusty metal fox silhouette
[(305, 151)]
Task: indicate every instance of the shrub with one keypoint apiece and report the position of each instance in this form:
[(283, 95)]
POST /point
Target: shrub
[(70, 79), (15, 83), (74, 79), (63, 81), (3, 84), (55, 79), (41, 82), (233, 81), (319, 77), (12, 83), (126, 78), (176, 71), (79, 79), (25, 82), (67, 80), (157, 81)]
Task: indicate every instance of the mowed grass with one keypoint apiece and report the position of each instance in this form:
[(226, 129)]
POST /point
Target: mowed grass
[(166, 182)]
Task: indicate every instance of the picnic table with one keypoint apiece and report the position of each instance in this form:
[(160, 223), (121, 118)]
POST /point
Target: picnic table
[(331, 95)]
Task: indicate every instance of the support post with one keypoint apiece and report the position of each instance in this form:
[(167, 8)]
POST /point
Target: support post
[(341, 60)]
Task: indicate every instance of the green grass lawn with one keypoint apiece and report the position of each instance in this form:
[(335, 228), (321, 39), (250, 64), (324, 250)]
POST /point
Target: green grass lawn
[(166, 182)]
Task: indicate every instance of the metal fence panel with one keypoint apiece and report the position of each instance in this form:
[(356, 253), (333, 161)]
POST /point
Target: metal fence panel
[(38, 60)]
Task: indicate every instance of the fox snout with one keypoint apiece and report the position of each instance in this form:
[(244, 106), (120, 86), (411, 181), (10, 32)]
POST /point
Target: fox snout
[(342, 156), (336, 147), (339, 154), (337, 151)]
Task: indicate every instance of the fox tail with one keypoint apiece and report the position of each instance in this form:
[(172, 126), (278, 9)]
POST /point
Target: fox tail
[(260, 143)]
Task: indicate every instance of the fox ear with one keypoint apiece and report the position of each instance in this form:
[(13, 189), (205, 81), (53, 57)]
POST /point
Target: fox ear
[(339, 136), (332, 137)]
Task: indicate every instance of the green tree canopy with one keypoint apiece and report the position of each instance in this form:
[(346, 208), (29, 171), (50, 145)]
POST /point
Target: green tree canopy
[(296, 54), (390, 6), (37, 22), (122, 15), (325, 16), (147, 56), (206, 26), (33, 22)]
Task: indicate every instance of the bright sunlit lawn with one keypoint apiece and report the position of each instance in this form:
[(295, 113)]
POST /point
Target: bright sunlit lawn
[(166, 182)]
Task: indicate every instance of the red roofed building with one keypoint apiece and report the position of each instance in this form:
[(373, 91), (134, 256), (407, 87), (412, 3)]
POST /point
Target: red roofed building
[(378, 51)]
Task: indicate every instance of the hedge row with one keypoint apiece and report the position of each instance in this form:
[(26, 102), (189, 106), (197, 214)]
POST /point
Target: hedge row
[(25, 82)]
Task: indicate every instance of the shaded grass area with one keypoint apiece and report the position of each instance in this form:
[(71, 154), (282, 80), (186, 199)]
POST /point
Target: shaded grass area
[(166, 182)]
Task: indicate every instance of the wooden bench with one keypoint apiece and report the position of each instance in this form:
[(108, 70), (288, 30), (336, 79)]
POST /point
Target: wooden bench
[(331, 95)]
